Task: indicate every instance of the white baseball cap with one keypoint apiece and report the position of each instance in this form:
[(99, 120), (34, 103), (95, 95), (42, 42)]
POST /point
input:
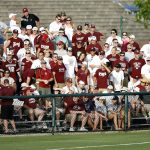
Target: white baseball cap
[(29, 27), (35, 28), (11, 15)]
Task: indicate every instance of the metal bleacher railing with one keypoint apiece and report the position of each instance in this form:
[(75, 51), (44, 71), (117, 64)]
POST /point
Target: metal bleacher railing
[(25, 126)]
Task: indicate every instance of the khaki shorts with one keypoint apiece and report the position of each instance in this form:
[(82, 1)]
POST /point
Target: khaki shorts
[(44, 91), (68, 117), (36, 111), (61, 85)]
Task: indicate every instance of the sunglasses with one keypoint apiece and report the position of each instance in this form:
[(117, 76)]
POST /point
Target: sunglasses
[(112, 32), (28, 53), (68, 20)]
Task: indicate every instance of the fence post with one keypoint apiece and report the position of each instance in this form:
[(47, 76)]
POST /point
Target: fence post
[(53, 115), (121, 26), (126, 113)]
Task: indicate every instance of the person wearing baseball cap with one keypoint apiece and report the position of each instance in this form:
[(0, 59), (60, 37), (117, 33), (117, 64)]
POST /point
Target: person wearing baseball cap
[(145, 70), (29, 19), (79, 36)]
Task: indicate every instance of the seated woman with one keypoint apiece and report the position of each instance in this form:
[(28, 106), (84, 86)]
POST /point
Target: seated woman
[(114, 111), (100, 113)]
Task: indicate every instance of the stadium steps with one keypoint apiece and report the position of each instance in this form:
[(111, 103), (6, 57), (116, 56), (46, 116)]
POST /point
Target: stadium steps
[(103, 13)]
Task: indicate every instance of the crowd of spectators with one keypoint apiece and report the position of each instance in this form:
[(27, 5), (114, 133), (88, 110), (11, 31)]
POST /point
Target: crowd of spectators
[(68, 58)]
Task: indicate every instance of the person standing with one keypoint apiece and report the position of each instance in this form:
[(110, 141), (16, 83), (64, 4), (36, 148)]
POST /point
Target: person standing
[(29, 19), (7, 109)]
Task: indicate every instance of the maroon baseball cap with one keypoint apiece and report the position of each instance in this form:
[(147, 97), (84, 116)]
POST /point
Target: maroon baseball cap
[(92, 26), (136, 52), (69, 80), (60, 43), (15, 31), (79, 27), (25, 10)]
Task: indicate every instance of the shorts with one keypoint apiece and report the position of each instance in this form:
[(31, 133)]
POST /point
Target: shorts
[(7, 112), (44, 91)]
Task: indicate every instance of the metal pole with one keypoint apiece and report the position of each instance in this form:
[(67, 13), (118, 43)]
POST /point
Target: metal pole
[(121, 26), (126, 113), (53, 116)]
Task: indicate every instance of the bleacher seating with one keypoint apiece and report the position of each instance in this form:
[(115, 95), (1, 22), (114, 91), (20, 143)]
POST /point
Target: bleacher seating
[(103, 13)]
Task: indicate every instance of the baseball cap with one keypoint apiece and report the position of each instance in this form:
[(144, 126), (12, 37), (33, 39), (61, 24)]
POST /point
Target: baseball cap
[(122, 53), (132, 36), (28, 27), (24, 85), (102, 53), (116, 98), (69, 49), (118, 66), (69, 80), (92, 26), (60, 43), (25, 10), (11, 15), (93, 38), (26, 42), (93, 49), (86, 24), (9, 53), (34, 28), (42, 29), (15, 31), (79, 27), (136, 52), (147, 58), (61, 30), (60, 58), (81, 82)]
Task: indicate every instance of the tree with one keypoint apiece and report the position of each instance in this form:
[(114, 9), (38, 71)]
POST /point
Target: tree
[(143, 14)]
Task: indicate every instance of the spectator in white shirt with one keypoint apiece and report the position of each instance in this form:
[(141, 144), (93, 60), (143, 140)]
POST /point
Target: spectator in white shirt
[(70, 63), (146, 50), (55, 25), (117, 77), (113, 36), (145, 70)]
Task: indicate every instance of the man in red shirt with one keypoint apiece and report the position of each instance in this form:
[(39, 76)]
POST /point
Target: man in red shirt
[(59, 73), (78, 36), (14, 42), (93, 32), (7, 109), (132, 42), (101, 77), (11, 64), (113, 56), (75, 107), (45, 44), (93, 44), (136, 64), (43, 77)]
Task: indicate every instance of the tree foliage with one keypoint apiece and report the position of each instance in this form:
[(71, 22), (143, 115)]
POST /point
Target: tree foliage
[(143, 15)]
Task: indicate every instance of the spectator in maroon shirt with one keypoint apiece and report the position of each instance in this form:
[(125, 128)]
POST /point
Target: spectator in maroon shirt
[(59, 73), (132, 42), (7, 109), (54, 61), (75, 107), (78, 36), (93, 44), (136, 64), (14, 42), (78, 48), (93, 32), (32, 107), (45, 44), (113, 56), (83, 75), (101, 77)]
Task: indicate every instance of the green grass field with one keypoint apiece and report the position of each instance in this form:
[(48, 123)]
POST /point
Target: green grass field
[(84, 141)]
